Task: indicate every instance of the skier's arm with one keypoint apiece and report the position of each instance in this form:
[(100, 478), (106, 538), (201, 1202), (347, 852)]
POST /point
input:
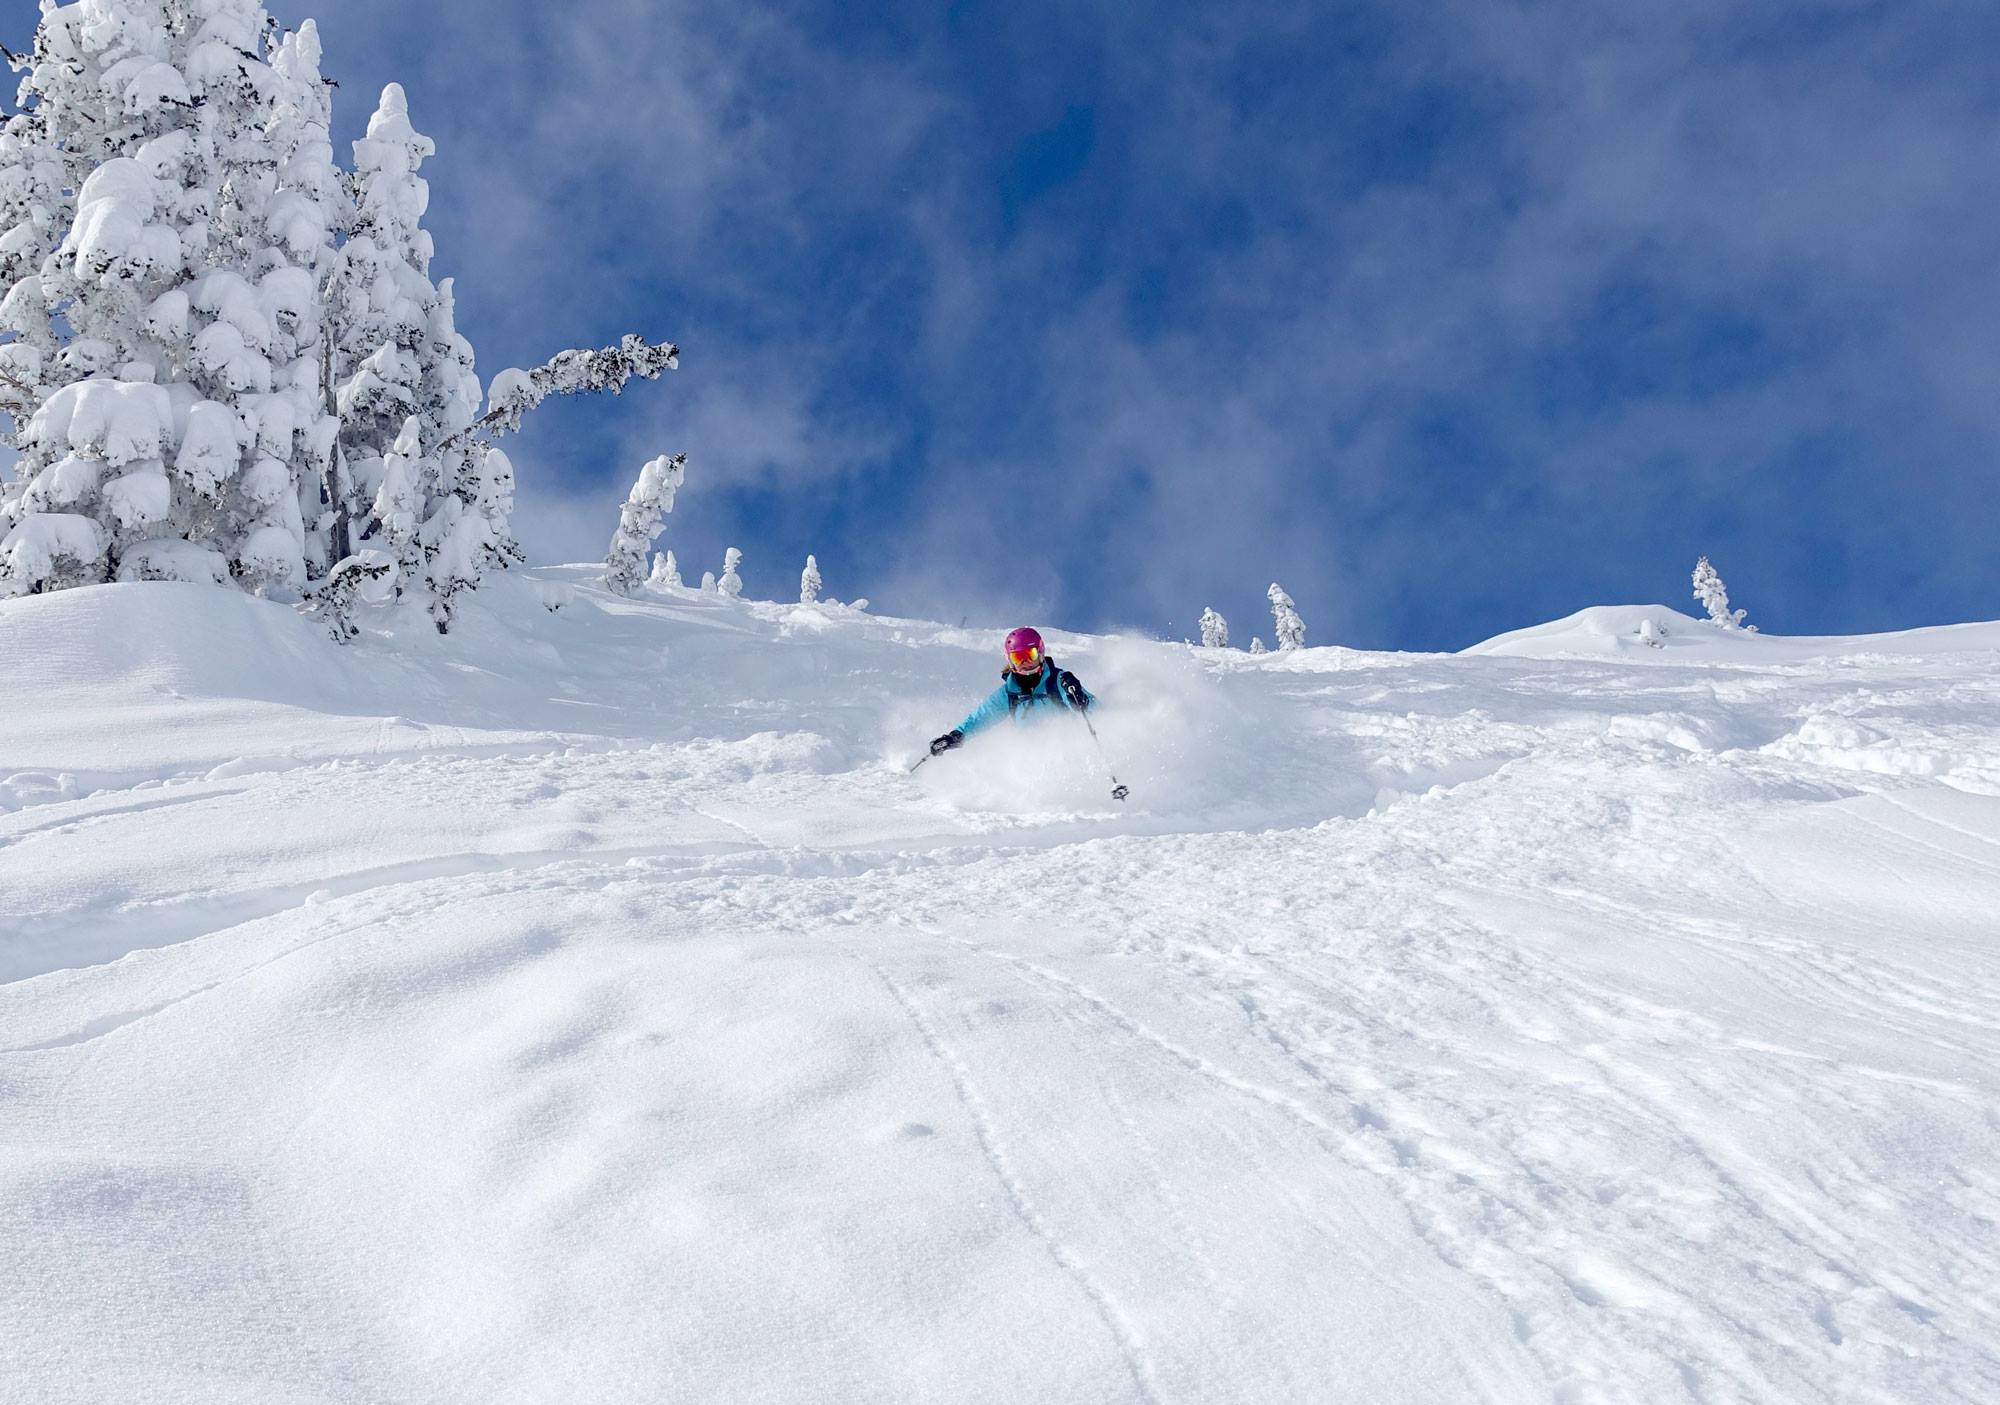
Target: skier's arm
[(994, 708), (1075, 696)]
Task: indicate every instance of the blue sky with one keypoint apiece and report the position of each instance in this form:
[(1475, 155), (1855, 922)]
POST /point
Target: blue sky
[(1451, 316)]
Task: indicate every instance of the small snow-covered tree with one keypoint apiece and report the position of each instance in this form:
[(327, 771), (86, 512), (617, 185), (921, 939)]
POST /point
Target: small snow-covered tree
[(1714, 597), (1290, 628), (639, 520), (398, 506), (1257, 646), (809, 583), (458, 545), (1214, 630), (666, 572), (731, 584), (708, 581), (367, 576)]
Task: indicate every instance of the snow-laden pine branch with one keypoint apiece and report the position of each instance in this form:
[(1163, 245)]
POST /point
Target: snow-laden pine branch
[(18, 399), (514, 392)]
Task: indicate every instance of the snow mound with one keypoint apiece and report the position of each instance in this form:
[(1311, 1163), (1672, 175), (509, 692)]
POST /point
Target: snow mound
[(1618, 631), (1650, 633)]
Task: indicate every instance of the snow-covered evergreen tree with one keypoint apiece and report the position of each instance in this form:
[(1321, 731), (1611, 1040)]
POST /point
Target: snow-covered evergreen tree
[(639, 521), (172, 334), (397, 355), (708, 581), (666, 572), (304, 211), (1257, 646), (1714, 597), (809, 583), (1214, 630), (37, 174), (731, 584), (213, 343), (381, 297), (1290, 628)]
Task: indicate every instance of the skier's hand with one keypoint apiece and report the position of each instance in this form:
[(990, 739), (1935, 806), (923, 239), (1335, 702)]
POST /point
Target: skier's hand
[(947, 742), (1072, 687)]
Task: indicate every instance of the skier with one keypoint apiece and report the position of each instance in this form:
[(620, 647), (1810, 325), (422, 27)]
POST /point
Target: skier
[(1031, 681)]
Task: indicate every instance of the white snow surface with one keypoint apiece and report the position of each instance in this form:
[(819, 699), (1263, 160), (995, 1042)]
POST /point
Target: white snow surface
[(590, 1005)]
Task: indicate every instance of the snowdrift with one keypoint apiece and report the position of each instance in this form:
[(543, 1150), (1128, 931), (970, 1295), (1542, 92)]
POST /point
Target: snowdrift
[(1653, 632)]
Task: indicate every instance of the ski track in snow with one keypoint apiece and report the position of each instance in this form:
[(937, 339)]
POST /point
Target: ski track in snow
[(993, 1148), (1427, 1029)]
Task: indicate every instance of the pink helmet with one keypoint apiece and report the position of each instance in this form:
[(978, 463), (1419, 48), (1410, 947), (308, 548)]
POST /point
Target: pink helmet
[(1025, 652)]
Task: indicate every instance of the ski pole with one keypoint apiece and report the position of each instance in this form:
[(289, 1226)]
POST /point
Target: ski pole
[(1118, 791), (920, 761)]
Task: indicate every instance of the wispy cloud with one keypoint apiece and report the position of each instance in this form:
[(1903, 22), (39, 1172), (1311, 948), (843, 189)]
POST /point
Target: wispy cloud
[(1446, 319)]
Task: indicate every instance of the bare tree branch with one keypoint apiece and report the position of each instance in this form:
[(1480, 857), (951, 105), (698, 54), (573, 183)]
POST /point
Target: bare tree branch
[(28, 401)]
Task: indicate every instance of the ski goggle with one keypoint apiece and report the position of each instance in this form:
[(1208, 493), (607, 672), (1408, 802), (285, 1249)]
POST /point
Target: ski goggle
[(1025, 660)]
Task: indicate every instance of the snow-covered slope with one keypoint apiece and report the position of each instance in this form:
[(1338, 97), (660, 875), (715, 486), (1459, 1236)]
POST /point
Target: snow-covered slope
[(590, 1006)]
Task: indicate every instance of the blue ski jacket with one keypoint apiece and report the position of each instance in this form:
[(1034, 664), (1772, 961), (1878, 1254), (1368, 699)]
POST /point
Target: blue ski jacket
[(1055, 687)]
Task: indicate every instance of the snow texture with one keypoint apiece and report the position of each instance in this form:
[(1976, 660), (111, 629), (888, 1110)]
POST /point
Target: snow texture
[(591, 1006)]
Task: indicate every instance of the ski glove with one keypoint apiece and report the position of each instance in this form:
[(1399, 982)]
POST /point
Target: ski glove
[(946, 742), (1072, 688)]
